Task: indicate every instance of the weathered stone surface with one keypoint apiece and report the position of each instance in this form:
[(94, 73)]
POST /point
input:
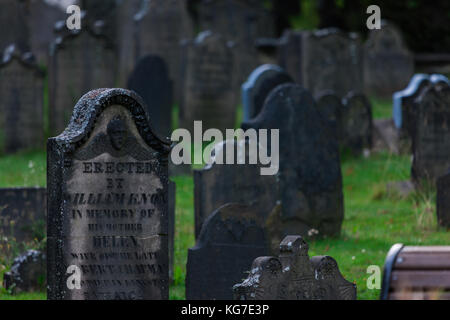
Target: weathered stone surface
[(443, 200), (160, 26), (356, 122), (310, 180), (217, 184), (294, 276), (258, 86), (230, 239), (431, 140), (330, 107), (208, 83), (326, 59), (400, 188), (385, 136), (388, 64), (28, 273), (108, 201), (80, 61), (150, 79), (21, 103), (14, 25)]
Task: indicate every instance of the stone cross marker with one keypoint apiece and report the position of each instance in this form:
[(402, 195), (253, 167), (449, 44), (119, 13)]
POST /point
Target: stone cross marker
[(80, 61), (150, 79), (356, 122), (108, 203), (258, 86), (230, 239), (443, 200), (431, 140), (310, 180), (21, 103), (208, 84), (218, 184), (388, 64), (293, 275)]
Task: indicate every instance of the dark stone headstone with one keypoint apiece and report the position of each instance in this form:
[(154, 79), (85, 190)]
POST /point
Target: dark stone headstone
[(388, 64), (217, 184), (22, 213), (310, 180), (14, 25), (28, 273), (443, 200), (21, 103), (356, 122), (208, 83), (258, 86), (150, 79), (80, 61), (431, 140), (330, 107), (294, 276), (108, 202), (171, 219), (326, 59), (160, 26), (230, 239)]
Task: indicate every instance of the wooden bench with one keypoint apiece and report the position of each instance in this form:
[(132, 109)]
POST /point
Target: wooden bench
[(416, 273)]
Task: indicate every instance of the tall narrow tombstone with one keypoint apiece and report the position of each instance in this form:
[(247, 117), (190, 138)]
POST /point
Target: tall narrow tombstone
[(293, 275), (150, 79), (217, 184), (160, 27), (14, 25), (326, 59), (309, 176), (431, 140), (356, 122), (388, 64), (330, 107), (208, 83), (443, 200), (21, 103), (230, 239), (81, 61), (108, 202), (258, 86)]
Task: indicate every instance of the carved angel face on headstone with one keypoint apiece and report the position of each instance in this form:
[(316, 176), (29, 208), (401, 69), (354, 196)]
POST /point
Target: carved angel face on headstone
[(117, 132)]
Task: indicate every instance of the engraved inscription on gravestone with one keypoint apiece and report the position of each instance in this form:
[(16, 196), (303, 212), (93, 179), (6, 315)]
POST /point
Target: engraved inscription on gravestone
[(108, 202)]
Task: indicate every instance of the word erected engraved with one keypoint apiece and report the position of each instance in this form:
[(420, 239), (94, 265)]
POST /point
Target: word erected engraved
[(108, 202), (294, 276)]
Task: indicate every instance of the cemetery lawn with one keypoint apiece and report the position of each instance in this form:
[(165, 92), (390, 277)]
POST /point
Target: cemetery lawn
[(374, 219)]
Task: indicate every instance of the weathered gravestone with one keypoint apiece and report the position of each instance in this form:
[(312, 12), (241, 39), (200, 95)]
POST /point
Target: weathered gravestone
[(431, 140), (356, 122), (330, 107), (258, 86), (208, 83), (309, 176), (21, 103), (242, 182), (80, 61), (294, 276), (108, 202), (230, 239), (22, 213), (388, 64), (443, 200), (14, 25), (160, 26), (150, 79), (326, 59)]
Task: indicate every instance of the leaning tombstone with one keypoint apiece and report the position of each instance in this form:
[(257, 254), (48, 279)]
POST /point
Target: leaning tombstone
[(208, 83), (293, 275), (388, 64), (230, 239), (150, 79), (219, 183), (330, 107), (356, 123), (258, 86), (81, 60), (309, 176), (431, 140), (443, 200), (107, 230), (21, 105)]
